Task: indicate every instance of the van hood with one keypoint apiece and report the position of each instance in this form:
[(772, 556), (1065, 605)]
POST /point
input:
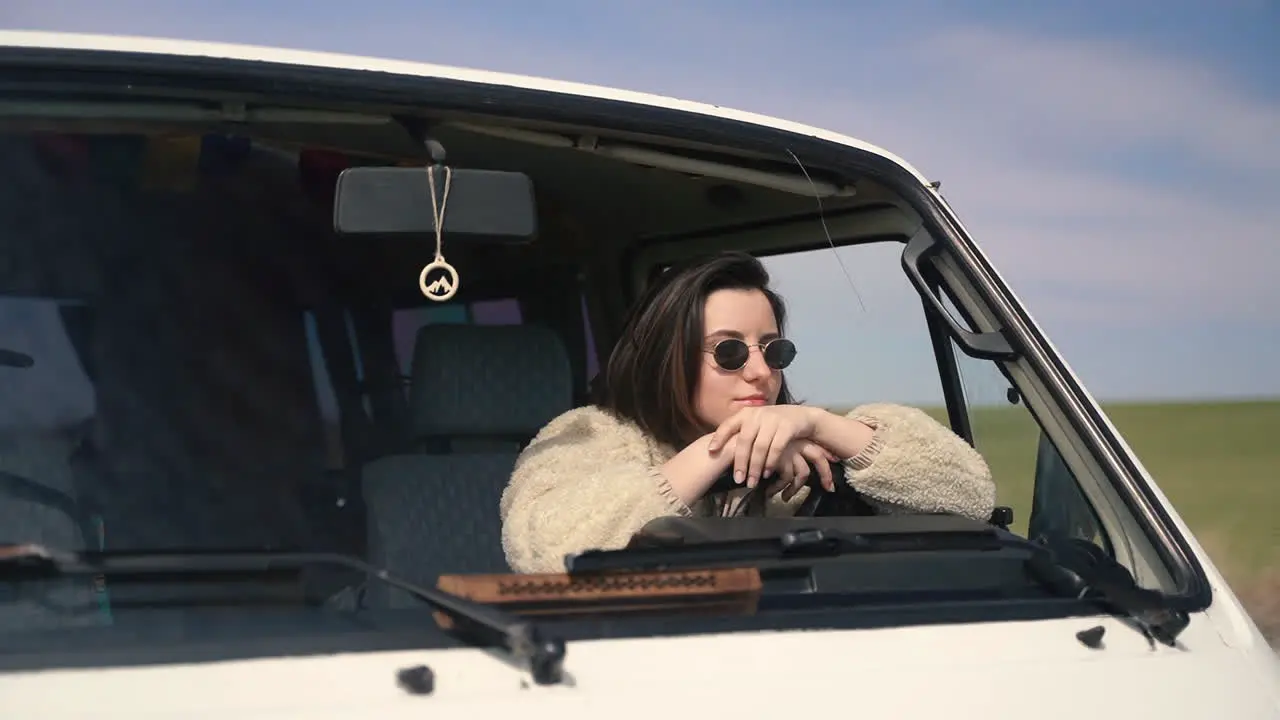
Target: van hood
[(981, 670)]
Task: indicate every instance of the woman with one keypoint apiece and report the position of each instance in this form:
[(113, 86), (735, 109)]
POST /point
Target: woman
[(696, 388)]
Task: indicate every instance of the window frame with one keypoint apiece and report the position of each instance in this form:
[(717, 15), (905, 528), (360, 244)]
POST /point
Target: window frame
[(1125, 532), (949, 346)]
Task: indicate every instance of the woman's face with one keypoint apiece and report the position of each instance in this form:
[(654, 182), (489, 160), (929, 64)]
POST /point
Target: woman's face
[(746, 315)]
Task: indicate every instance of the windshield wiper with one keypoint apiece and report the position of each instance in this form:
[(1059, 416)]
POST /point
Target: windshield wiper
[(524, 639), (1068, 568), (793, 544), (1073, 567)]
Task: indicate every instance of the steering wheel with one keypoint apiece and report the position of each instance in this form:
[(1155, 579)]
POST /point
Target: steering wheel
[(21, 488), (844, 502)]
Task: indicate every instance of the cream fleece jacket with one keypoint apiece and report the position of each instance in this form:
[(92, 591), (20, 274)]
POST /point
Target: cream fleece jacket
[(590, 480)]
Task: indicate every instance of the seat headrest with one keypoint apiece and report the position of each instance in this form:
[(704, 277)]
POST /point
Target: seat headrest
[(488, 381)]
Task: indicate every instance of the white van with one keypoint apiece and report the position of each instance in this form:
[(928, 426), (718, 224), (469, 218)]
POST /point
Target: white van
[(255, 421)]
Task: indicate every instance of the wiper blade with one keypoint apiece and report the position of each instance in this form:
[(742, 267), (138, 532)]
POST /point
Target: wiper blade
[(1078, 568), (524, 639), (790, 545)]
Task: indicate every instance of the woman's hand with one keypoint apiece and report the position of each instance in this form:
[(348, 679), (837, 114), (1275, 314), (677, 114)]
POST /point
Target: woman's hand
[(762, 434), (794, 471)]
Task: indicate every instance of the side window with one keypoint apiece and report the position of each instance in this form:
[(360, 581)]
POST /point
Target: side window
[(859, 329), (1030, 476), (1003, 431), (862, 336)]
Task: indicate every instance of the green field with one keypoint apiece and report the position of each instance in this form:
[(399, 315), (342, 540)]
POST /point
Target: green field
[(1218, 463)]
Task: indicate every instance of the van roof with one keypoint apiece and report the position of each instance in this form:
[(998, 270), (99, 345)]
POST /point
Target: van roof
[(17, 39)]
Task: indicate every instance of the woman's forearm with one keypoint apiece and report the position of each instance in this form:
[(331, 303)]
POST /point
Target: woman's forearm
[(692, 471), (842, 436)]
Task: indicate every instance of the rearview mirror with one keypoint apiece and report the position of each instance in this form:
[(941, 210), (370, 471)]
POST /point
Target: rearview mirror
[(483, 205)]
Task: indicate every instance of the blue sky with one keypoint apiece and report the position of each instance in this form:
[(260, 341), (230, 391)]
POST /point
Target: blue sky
[(1120, 163)]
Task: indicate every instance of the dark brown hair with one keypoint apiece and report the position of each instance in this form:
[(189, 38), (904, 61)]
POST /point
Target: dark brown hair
[(651, 376)]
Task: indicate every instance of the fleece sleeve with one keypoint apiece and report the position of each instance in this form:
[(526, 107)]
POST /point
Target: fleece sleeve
[(916, 464), (583, 483)]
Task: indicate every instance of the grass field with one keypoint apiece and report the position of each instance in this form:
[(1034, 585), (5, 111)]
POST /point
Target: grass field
[(1218, 463)]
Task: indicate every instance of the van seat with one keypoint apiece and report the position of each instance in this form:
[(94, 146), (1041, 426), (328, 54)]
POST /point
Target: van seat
[(479, 394)]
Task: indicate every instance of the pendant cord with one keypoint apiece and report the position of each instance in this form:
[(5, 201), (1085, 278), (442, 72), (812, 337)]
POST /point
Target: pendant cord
[(437, 213)]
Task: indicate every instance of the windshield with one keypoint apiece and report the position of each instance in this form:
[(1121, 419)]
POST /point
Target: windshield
[(191, 359)]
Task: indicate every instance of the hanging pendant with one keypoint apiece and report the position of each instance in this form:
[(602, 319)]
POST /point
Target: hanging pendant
[(438, 280)]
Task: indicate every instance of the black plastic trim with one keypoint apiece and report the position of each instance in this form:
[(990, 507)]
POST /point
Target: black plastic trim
[(948, 368), (987, 345)]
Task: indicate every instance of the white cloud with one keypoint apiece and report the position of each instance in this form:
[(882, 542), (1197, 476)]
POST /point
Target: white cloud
[(1086, 93), (1179, 251)]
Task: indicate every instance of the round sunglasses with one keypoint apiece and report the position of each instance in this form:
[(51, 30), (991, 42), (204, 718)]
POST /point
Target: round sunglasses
[(731, 353)]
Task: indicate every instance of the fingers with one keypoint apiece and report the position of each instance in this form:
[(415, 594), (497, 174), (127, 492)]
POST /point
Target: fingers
[(748, 431), (761, 437), (796, 462), (770, 455), (814, 451), (821, 459), (726, 446), (800, 475), (786, 477), (771, 439), (828, 479), (725, 431), (793, 473)]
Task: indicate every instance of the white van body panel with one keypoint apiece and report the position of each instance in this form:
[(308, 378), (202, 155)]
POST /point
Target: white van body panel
[(979, 671)]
